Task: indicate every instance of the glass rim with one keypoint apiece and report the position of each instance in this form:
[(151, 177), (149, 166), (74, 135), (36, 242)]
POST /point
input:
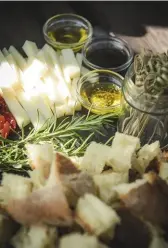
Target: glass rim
[(81, 81), (45, 26), (110, 39)]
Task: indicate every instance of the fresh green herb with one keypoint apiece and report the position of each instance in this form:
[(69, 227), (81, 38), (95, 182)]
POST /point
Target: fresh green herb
[(70, 135)]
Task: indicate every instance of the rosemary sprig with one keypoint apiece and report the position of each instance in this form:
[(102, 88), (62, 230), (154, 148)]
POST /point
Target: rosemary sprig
[(70, 135)]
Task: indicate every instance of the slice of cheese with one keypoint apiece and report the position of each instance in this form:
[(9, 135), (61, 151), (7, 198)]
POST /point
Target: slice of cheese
[(71, 65), (21, 62), (36, 117), (15, 108), (30, 48)]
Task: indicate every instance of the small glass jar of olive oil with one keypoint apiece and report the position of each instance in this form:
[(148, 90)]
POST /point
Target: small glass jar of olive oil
[(67, 31), (100, 91)]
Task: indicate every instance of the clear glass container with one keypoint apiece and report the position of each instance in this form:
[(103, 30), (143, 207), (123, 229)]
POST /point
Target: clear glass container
[(99, 91), (67, 31), (110, 53), (143, 115)]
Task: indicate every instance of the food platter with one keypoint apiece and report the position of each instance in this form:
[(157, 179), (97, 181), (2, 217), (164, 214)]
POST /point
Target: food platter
[(69, 179)]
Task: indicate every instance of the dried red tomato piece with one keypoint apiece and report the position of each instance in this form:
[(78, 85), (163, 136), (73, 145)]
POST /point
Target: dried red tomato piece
[(9, 118), (3, 106), (6, 129), (2, 121)]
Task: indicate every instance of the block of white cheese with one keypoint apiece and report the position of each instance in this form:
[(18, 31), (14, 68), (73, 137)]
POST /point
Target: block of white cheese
[(2, 57), (73, 90), (21, 62), (39, 102), (40, 56), (84, 70), (71, 65), (65, 72), (30, 48), (15, 108), (56, 92), (79, 59), (59, 111), (54, 58), (34, 71), (5, 52), (16, 82), (36, 117), (8, 76)]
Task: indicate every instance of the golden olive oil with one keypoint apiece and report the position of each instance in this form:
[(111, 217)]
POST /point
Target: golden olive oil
[(68, 35), (102, 96)]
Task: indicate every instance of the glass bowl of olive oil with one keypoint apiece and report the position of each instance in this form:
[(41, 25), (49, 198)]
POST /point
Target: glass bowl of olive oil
[(99, 91), (67, 31)]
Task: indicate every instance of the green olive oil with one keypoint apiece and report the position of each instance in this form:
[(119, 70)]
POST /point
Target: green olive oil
[(68, 35)]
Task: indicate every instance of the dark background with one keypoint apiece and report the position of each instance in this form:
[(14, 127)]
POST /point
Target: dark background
[(142, 24)]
